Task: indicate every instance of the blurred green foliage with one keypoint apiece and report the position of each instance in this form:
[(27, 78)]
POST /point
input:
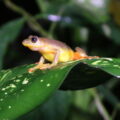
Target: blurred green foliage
[(92, 24)]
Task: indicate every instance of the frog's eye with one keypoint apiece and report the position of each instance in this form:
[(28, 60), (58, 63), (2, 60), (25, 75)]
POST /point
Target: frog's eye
[(34, 39)]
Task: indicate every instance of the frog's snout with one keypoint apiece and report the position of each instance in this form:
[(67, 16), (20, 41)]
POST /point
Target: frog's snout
[(25, 43)]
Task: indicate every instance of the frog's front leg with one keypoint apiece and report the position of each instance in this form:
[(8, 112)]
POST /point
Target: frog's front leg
[(56, 58), (39, 64), (54, 63), (43, 66)]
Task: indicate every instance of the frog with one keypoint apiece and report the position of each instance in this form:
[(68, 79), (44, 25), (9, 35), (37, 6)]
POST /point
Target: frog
[(54, 51)]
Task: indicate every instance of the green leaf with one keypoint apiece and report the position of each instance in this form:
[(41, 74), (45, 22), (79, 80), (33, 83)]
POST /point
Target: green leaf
[(51, 6), (77, 11), (24, 92), (50, 109), (8, 33), (21, 91), (90, 9), (115, 33), (90, 73), (82, 99)]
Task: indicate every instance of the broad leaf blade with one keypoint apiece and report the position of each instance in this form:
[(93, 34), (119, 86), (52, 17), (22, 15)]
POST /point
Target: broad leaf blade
[(49, 110), (109, 65), (90, 73), (21, 91), (24, 92), (84, 76), (8, 33)]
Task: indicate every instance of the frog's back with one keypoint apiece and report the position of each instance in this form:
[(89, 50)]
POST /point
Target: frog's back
[(56, 43)]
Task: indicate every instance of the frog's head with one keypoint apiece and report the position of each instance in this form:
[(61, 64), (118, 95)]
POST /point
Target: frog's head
[(33, 43)]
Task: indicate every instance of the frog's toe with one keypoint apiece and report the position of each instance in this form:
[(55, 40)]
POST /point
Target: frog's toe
[(31, 70), (44, 66)]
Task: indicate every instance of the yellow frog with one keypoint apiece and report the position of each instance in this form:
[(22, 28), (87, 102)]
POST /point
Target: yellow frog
[(54, 51)]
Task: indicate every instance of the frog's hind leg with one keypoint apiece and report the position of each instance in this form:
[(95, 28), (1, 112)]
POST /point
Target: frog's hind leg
[(81, 54)]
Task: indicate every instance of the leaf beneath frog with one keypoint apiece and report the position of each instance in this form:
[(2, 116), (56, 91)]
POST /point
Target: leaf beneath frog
[(20, 92)]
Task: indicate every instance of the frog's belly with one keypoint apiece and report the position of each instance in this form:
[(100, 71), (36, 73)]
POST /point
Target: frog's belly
[(63, 57)]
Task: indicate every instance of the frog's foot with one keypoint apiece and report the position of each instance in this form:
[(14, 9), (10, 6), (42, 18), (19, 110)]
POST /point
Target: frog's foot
[(47, 66), (32, 69), (87, 57), (92, 57), (41, 67)]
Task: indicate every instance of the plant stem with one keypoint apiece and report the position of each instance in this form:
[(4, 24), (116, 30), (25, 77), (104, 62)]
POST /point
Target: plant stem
[(42, 5), (54, 24), (31, 20), (114, 113), (102, 110)]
